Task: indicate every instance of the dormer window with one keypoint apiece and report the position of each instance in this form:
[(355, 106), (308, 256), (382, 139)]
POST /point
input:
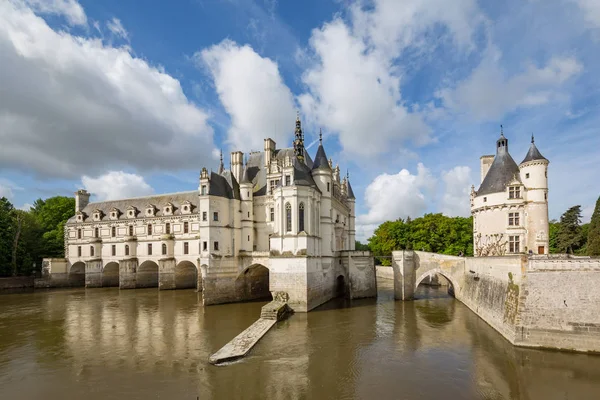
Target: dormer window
[(114, 213), (79, 218), (150, 210), (514, 192), (97, 216), (131, 212), (168, 209), (186, 207)]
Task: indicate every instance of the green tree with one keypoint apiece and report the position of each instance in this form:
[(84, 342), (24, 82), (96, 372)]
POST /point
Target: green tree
[(359, 246), (6, 236), (51, 215), (593, 236), (552, 236), (568, 237)]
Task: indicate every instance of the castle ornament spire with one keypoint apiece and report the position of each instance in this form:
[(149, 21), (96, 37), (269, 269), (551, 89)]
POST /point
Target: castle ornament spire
[(532, 139), (221, 165), (299, 139)]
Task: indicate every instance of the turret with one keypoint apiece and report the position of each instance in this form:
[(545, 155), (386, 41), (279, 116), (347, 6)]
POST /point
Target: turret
[(534, 175), (82, 199), (247, 220), (322, 175), (351, 201)]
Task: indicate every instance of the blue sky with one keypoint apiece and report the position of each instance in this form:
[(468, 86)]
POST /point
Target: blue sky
[(126, 100)]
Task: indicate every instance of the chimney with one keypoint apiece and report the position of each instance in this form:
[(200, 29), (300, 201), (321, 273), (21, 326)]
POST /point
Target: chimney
[(82, 198), (269, 149), (486, 163), (237, 164)]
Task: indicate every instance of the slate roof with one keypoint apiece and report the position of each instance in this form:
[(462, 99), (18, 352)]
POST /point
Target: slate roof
[(533, 154), (158, 201), (350, 191), (224, 185), (321, 159), (502, 171)]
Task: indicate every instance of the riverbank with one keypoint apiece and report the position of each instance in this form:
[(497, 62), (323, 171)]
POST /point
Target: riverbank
[(16, 282)]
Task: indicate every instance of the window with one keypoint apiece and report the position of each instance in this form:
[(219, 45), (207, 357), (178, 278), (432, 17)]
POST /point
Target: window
[(149, 229), (248, 237), (78, 251), (113, 231), (186, 227), (78, 233), (272, 214), (92, 251), (186, 248), (527, 175), (126, 249), (164, 249), (131, 213), (513, 244), (96, 233), (167, 228), (149, 249), (130, 230), (301, 217), (328, 186), (114, 215), (287, 180), (204, 246), (114, 249), (216, 246), (514, 192), (288, 217), (204, 216), (513, 219), (546, 173), (545, 195), (203, 190), (215, 216), (248, 214), (485, 199), (185, 208)]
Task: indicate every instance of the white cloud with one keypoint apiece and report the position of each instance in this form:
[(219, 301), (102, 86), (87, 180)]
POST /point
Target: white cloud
[(455, 201), (26, 207), (72, 105), (70, 9), (6, 191), (591, 11), (253, 94), (390, 197), (354, 80), (116, 185), (488, 93), (116, 27)]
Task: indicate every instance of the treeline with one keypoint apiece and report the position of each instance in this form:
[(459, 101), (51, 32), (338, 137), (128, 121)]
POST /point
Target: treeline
[(28, 236), (434, 233), (438, 233)]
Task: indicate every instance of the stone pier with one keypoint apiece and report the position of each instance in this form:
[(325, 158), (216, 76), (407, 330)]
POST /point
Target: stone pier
[(166, 273), (127, 273), (93, 273)]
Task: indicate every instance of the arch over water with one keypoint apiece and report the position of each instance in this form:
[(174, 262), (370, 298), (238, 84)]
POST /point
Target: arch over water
[(253, 283), (340, 286), (77, 274), (110, 275), (186, 275), (147, 275), (439, 271)]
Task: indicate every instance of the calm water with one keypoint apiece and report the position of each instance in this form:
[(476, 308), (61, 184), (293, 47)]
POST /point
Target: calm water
[(146, 344)]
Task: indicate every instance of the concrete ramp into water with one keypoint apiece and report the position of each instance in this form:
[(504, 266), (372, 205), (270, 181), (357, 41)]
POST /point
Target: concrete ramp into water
[(245, 341)]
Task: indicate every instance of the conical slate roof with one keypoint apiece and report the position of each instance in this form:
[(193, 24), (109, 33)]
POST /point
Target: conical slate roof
[(321, 159), (533, 153), (502, 171), (350, 192)]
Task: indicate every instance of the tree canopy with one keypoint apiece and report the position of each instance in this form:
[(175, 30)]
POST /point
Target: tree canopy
[(27, 236), (593, 235)]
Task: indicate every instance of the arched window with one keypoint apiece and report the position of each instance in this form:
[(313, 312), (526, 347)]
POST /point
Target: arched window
[(301, 217), (288, 217), (126, 249), (164, 249)]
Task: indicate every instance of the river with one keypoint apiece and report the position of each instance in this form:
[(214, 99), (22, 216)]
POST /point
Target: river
[(148, 344)]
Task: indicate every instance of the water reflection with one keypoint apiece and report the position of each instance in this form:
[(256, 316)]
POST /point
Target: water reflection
[(139, 344)]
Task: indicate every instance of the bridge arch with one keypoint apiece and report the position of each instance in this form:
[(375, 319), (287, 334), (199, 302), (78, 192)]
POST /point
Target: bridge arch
[(77, 268), (147, 274), (253, 283), (438, 271), (187, 276), (110, 275), (77, 274)]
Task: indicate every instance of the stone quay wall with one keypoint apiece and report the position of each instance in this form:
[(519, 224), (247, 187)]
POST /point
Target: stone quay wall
[(16, 282), (536, 301)]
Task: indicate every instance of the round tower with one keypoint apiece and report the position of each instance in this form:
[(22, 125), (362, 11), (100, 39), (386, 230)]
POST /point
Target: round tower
[(534, 175), (322, 175)]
